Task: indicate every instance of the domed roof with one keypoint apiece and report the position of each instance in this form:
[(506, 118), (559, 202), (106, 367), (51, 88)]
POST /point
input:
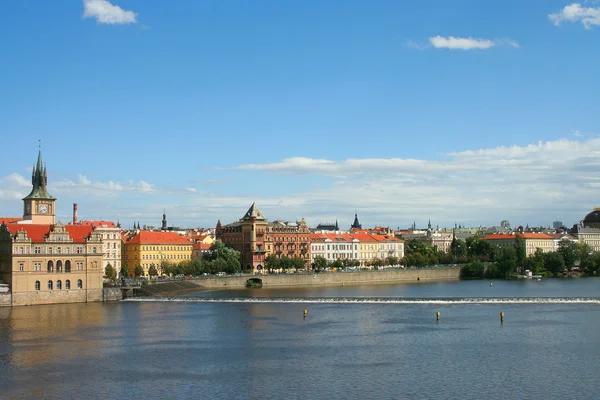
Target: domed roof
[(593, 217)]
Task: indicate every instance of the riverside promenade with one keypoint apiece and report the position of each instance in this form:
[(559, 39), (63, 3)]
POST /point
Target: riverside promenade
[(159, 288)]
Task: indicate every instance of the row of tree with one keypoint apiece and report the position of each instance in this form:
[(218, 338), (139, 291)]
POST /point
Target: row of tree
[(220, 258), (485, 260)]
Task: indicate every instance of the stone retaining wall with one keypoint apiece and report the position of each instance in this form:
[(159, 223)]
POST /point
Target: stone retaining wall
[(334, 278), (5, 300), (112, 294)]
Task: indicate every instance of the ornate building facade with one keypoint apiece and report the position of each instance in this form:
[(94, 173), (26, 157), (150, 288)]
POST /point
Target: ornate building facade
[(255, 238), (151, 248), (46, 262)]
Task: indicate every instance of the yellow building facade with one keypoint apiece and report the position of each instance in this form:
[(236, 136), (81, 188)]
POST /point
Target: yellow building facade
[(148, 248)]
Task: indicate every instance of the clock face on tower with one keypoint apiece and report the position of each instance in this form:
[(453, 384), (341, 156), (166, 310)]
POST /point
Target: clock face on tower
[(43, 209)]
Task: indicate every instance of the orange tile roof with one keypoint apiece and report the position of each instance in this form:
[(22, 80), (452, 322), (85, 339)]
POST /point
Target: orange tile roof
[(202, 246), (364, 237), (109, 224), (39, 233), (508, 236), (7, 220), (149, 237)]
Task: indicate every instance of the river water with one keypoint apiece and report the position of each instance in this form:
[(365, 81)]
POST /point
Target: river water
[(356, 342)]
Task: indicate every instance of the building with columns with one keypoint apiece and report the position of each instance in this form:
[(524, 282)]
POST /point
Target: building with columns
[(45, 261)]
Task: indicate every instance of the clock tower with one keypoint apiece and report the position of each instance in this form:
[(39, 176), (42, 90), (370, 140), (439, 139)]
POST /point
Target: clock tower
[(38, 206)]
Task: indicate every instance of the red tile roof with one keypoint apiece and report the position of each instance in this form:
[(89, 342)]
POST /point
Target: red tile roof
[(149, 237), (508, 236), (95, 224), (202, 246), (7, 220), (39, 233)]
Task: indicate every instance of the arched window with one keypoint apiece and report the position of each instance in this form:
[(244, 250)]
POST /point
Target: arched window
[(37, 285), (58, 285), (79, 284), (67, 266), (49, 285), (59, 266), (67, 284), (50, 266)]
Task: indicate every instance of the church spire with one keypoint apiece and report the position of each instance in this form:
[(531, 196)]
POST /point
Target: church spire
[(164, 220), (356, 224), (39, 180)]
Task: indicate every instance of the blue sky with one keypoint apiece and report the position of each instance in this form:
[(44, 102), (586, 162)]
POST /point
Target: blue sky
[(465, 111)]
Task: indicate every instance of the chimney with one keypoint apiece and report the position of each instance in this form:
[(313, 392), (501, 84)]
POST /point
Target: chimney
[(74, 213)]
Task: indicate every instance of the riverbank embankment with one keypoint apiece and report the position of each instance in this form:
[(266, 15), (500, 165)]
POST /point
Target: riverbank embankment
[(172, 288)]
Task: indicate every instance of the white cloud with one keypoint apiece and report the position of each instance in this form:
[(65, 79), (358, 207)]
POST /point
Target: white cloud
[(191, 189), (576, 133), (588, 16), (19, 180), (529, 184), (458, 43), (109, 188), (106, 13)]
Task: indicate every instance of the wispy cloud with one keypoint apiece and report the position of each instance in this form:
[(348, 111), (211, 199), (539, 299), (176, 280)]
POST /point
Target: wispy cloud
[(576, 133), (536, 182), (575, 12), (106, 13), (109, 188), (468, 43), (533, 184)]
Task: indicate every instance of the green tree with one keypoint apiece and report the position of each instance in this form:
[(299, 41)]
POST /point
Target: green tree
[(138, 271), (110, 272), (520, 251), (535, 262), (569, 252), (458, 248), (507, 261), (319, 263), (391, 260), (224, 257), (554, 263), (152, 271), (298, 263), (124, 271), (272, 262), (473, 270), (167, 268), (594, 265), (337, 264), (585, 254)]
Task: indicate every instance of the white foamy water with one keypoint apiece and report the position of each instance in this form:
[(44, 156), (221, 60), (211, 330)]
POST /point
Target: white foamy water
[(374, 300)]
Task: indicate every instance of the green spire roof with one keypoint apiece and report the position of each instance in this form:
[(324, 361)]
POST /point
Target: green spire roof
[(39, 180)]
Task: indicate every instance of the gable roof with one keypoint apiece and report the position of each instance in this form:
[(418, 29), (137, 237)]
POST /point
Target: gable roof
[(95, 224), (38, 233), (150, 237), (254, 212), (9, 220), (508, 236)]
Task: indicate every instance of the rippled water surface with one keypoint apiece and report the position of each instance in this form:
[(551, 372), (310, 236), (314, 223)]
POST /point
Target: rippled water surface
[(356, 342)]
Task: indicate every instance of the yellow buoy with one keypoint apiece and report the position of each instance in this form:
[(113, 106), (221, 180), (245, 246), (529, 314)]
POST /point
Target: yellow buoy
[(437, 315), (501, 317), (305, 312)]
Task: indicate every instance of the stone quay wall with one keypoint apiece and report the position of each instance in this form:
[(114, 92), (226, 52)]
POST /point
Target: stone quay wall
[(333, 278), (112, 294), (5, 299)]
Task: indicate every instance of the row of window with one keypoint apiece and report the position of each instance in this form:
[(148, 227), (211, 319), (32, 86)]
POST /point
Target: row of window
[(164, 257), (59, 285), (161, 248), (52, 267), (52, 250)]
